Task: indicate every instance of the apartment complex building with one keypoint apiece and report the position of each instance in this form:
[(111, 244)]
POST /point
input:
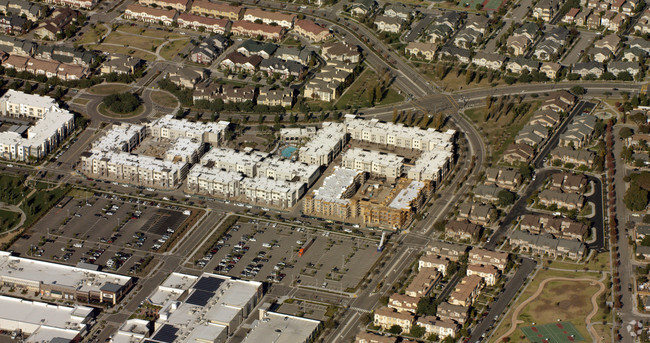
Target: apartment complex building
[(171, 128), (214, 9), (51, 126), (332, 199), (374, 162), (325, 145)]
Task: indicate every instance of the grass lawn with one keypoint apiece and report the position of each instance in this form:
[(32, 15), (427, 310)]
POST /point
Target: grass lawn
[(8, 220), (568, 301), (139, 30), (599, 262), (451, 82), (93, 35), (80, 193), (125, 51), (357, 94), (12, 189), (499, 131), (144, 43), (171, 49), (108, 113), (604, 331), (164, 99), (104, 89), (81, 101)]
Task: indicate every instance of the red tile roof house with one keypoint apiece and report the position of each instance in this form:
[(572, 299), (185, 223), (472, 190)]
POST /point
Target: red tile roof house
[(310, 30)]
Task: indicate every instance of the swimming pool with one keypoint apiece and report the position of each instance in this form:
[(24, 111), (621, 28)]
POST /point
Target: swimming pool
[(288, 151)]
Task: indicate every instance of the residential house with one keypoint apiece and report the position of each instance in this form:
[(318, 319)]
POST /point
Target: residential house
[(250, 47), (439, 33), (569, 182), (426, 51), (310, 30), (570, 201), (341, 52), (529, 30), (518, 44), (477, 23), (386, 317), (466, 291), (532, 135), (446, 250), (489, 273), (208, 50), (551, 69), (13, 24), (363, 8), (275, 66), (588, 68), (577, 157), (488, 60), (486, 193), (518, 153), (249, 29), (519, 64), (642, 25), (462, 230), (83, 4), (388, 24), (403, 303), (617, 67), (398, 10), (235, 94), (277, 97), (269, 17), (196, 22), (600, 55), (186, 76), (236, 61), (593, 21), (452, 52), (121, 64), (290, 53), (581, 18), (150, 15), (633, 55), (560, 101), (570, 17), (423, 282), (439, 327), (547, 50), (547, 118), (488, 257), (643, 252), (578, 132), (428, 261), (54, 26), (457, 313), (610, 42), (546, 9), (451, 19), (480, 214), (178, 5), (467, 37), (546, 245), (217, 9)]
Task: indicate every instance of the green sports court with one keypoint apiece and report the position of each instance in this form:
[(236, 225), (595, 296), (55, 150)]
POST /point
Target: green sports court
[(562, 332)]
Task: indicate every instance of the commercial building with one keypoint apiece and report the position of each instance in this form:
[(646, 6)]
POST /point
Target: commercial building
[(214, 308), (332, 199), (279, 327), (57, 281), (374, 162), (44, 322), (325, 145), (171, 128), (52, 125)]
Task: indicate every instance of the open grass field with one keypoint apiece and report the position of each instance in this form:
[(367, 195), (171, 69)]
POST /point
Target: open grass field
[(357, 93), (499, 131), (12, 189), (139, 30), (164, 99), (563, 300), (111, 49), (107, 89), (598, 262), (172, 49), (93, 35), (81, 101), (562, 332), (141, 42)]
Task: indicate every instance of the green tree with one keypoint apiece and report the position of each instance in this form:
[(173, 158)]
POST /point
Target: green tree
[(395, 329), (626, 133), (578, 90), (427, 307), (417, 331), (506, 197), (636, 198)]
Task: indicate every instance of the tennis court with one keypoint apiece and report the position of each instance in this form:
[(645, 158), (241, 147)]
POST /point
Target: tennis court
[(563, 332), (471, 3)]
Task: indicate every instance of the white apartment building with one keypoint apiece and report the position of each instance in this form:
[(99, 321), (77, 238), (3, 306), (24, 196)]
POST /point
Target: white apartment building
[(432, 165), (35, 142), (374, 162), (184, 149), (398, 135), (19, 104), (124, 137), (214, 181), (325, 145), (171, 128)]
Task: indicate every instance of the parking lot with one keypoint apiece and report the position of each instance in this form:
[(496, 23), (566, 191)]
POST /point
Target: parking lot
[(119, 234), (268, 251)]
